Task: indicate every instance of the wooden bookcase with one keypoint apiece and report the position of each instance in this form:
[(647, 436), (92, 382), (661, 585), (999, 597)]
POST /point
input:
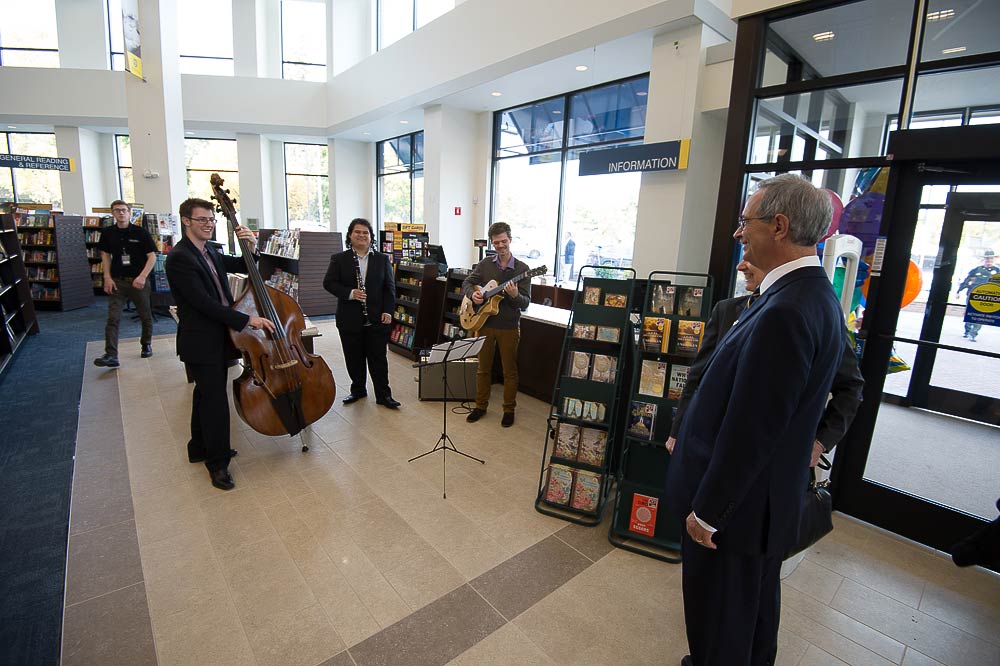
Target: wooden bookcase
[(309, 264), (451, 329), (92, 225), (420, 297), (404, 242), (56, 261), (16, 307)]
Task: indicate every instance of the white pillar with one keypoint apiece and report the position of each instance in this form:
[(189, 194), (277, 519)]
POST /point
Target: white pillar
[(82, 26), (274, 170), (451, 158), (84, 187), (676, 209), (155, 114), (247, 50), (255, 183), (352, 182)]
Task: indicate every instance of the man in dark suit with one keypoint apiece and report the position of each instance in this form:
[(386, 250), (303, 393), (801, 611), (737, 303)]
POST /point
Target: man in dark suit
[(362, 281), (741, 463), (845, 392), (200, 287)]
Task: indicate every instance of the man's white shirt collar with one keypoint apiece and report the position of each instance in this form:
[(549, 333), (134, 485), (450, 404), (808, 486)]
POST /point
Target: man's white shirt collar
[(786, 268)]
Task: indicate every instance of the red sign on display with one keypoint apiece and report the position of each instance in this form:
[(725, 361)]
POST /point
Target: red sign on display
[(458, 210), (643, 519)]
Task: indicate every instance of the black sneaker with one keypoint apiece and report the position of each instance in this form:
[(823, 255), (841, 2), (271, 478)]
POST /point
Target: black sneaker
[(107, 361), (147, 350), (475, 415), (507, 420)]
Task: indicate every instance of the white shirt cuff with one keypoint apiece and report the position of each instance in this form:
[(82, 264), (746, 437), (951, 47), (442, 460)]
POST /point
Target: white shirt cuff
[(704, 524)]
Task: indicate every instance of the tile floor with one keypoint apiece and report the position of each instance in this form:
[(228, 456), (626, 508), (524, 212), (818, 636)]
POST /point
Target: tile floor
[(348, 556)]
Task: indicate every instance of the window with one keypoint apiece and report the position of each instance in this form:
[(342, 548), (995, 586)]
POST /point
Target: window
[(401, 179), (123, 151), (307, 187), (398, 18), (303, 40), (536, 186), (207, 156), (208, 50), (116, 37), (30, 185), (28, 33)]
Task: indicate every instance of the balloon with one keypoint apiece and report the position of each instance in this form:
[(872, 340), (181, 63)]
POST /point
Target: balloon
[(862, 217), (914, 283), (838, 209)]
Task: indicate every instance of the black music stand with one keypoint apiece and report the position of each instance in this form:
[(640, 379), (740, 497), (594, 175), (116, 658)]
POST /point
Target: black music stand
[(456, 350)]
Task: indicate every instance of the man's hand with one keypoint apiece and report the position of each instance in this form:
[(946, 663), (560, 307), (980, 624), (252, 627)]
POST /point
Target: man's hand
[(257, 323), (109, 285), (818, 450), (477, 297), (247, 235), (139, 282), (671, 443), (358, 295), (386, 318), (701, 536), (510, 289)]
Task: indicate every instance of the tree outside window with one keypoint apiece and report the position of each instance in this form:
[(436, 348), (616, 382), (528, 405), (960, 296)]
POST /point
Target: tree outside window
[(30, 185), (307, 187), (400, 174), (28, 35), (303, 40)]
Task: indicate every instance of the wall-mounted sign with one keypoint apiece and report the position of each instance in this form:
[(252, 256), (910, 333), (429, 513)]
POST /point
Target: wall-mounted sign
[(666, 156), (133, 43), (37, 162)]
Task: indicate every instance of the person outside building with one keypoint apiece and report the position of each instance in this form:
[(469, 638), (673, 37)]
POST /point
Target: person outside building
[(501, 330), (977, 276), (128, 255), (569, 256)]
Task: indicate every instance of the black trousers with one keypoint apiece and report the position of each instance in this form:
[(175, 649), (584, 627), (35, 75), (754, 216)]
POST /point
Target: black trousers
[(210, 414), (732, 605), (367, 349)]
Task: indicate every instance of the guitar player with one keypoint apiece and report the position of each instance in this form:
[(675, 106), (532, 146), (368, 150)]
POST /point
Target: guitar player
[(502, 329)]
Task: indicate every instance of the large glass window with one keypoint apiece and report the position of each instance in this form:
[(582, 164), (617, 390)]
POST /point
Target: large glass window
[(537, 187), (116, 36), (956, 28), (30, 185), (398, 18), (207, 156), (307, 187), (400, 179), (123, 151), (208, 51), (28, 35), (303, 40)]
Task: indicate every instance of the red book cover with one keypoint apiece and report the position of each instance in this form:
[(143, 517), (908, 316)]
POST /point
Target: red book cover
[(643, 520)]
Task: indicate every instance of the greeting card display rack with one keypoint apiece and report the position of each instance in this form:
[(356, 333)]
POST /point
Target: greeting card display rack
[(663, 344), (575, 479), (17, 310)]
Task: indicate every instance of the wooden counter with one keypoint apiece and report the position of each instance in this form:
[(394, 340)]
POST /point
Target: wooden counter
[(538, 353)]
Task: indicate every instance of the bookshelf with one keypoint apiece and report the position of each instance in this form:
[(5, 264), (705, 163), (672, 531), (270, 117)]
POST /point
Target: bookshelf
[(665, 341), (420, 297), (404, 242), (451, 329), (55, 260), (16, 307), (575, 479), (92, 225), (296, 261)]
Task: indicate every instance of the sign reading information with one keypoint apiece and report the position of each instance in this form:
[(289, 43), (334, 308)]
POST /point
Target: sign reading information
[(984, 303), (666, 156), (36, 162)]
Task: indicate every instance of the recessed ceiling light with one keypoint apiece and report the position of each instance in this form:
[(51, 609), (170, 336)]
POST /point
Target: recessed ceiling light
[(496, 93), (404, 122), (11, 127), (582, 68), (824, 36), (556, 113), (189, 133), (940, 15), (957, 49), (641, 94), (367, 133)]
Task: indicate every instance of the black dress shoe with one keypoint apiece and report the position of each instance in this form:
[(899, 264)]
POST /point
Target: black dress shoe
[(354, 397), (147, 350), (475, 415), (686, 661), (389, 402), (107, 361), (222, 480), (507, 420)]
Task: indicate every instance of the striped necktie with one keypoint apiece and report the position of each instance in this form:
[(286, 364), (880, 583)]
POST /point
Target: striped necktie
[(751, 298)]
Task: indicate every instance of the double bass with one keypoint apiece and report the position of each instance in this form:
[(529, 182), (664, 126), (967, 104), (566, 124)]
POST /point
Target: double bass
[(283, 387)]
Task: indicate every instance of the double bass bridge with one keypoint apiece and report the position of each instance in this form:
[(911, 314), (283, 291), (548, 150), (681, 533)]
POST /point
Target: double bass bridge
[(286, 364)]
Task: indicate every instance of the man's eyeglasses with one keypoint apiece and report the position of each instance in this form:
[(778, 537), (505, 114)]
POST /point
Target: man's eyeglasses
[(119, 210), (203, 220), (741, 221)]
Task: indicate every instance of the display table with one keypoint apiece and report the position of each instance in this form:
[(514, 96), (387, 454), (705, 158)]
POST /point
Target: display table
[(542, 331)]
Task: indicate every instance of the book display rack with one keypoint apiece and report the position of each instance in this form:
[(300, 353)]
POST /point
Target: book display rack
[(92, 225), (576, 475), (451, 329), (404, 242), (16, 307), (665, 342), (420, 296), (55, 259), (295, 262)]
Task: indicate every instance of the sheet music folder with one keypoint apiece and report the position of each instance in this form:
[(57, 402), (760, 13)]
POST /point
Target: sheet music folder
[(454, 350)]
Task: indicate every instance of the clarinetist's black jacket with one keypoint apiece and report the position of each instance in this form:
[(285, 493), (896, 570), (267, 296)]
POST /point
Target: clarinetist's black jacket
[(341, 278)]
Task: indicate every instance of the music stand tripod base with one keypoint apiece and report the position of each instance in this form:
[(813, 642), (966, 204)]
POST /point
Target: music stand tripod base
[(444, 353)]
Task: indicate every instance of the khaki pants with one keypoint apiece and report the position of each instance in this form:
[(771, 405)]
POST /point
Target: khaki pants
[(116, 301), (506, 339)]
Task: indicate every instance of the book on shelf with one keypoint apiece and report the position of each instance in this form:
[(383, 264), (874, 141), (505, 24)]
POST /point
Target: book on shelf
[(592, 446), (592, 295), (283, 243), (643, 517), (604, 369), (559, 485), (653, 329), (642, 419), (661, 300), (585, 331), (689, 332), (608, 333), (615, 300), (593, 411), (567, 441), (572, 408), (652, 377), (678, 380), (689, 301), (579, 366), (586, 491)]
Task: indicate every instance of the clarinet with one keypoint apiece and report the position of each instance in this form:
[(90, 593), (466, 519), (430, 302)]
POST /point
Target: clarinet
[(361, 285)]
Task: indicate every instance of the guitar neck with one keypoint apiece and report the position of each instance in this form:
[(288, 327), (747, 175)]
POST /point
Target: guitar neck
[(497, 289)]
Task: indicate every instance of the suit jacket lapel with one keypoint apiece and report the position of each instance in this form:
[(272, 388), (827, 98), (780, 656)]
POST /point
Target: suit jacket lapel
[(207, 271)]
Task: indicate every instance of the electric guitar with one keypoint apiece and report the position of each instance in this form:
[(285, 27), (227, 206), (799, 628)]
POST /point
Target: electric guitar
[(473, 316)]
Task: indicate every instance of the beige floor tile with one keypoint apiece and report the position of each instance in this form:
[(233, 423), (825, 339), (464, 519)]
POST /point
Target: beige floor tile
[(816, 581), (379, 597), (234, 520), (817, 657), (507, 646), (264, 581), (424, 577), (967, 601), (180, 572), (522, 527), (830, 641), (791, 649), (159, 525), (914, 658), (212, 635), (559, 628), (303, 638)]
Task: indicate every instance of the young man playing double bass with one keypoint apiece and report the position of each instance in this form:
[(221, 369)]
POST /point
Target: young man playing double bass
[(200, 287)]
